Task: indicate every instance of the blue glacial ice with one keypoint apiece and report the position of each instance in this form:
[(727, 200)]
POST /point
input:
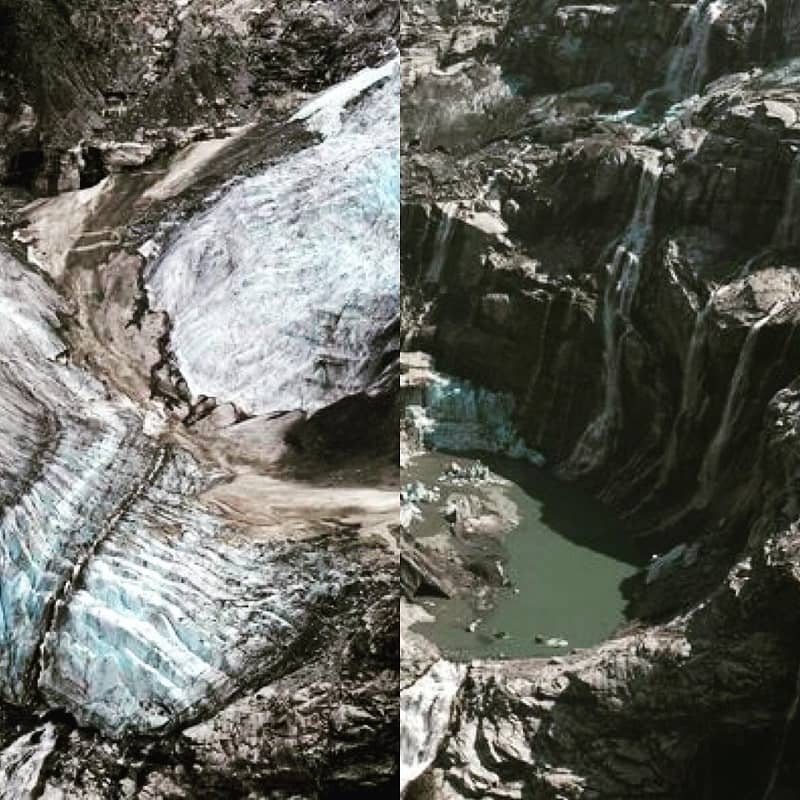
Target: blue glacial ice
[(453, 414), (59, 437), (122, 597)]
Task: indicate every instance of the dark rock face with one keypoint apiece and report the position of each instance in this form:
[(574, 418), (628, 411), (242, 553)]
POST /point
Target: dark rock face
[(309, 46), (326, 730), (78, 73), (636, 47), (609, 232)]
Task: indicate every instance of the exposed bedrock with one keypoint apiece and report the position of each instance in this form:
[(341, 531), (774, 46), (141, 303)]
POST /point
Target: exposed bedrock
[(611, 236), (673, 47), (698, 275), (87, 91)]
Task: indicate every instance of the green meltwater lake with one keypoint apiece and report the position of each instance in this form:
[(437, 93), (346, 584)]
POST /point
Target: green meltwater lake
[(565, 563)]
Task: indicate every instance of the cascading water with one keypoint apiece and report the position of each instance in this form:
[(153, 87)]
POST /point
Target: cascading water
[(623, 280), (787, 234), (692, 383), (425, 709), (689, 66), (709, 470), (542, 350), (441, 242)]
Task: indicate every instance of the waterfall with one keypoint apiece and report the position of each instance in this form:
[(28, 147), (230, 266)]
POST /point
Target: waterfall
[(709, 469), (540, 358), (791, 715), (425, 709), (687, 71), (692, 381), (623, 280), (441, 242), (787, 234)]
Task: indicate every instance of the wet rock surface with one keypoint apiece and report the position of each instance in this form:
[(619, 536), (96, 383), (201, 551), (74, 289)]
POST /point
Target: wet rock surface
[(599, 216)]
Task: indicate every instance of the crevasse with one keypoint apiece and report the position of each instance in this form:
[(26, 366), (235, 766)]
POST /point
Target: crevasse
[(122, 599)]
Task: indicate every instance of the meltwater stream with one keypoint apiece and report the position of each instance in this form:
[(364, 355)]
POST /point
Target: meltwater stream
[(565, 564)]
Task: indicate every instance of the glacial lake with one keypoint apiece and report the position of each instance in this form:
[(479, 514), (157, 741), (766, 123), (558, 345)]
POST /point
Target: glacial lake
[(566, 562)]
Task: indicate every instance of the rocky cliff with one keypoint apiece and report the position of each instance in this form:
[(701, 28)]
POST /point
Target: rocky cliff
[(79, 76), (600, 216)]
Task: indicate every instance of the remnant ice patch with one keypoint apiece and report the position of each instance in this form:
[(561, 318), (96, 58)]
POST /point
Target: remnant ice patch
[(425, 709), (324, 113)]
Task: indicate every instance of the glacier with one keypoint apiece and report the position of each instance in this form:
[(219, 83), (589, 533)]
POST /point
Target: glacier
[(127, 598), (59, 437), (122, 599), (278, 293)]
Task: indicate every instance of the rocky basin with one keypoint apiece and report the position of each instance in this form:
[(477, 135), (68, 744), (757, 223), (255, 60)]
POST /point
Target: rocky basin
[(599, 222)]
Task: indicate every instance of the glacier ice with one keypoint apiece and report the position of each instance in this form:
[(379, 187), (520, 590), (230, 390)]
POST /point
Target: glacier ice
[(453, 414), (305, 257), (21, 763), (122, 598), (59, 437), (164, 622), (425, 709)]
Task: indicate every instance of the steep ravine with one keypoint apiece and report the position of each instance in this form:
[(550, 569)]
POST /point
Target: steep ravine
[(600, 219)]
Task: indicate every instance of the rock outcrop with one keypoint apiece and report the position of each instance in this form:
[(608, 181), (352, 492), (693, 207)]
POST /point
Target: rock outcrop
[(87, 87), (599, 219)]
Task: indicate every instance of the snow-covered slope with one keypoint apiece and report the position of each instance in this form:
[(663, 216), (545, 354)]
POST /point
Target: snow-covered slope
[(278, 292)]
